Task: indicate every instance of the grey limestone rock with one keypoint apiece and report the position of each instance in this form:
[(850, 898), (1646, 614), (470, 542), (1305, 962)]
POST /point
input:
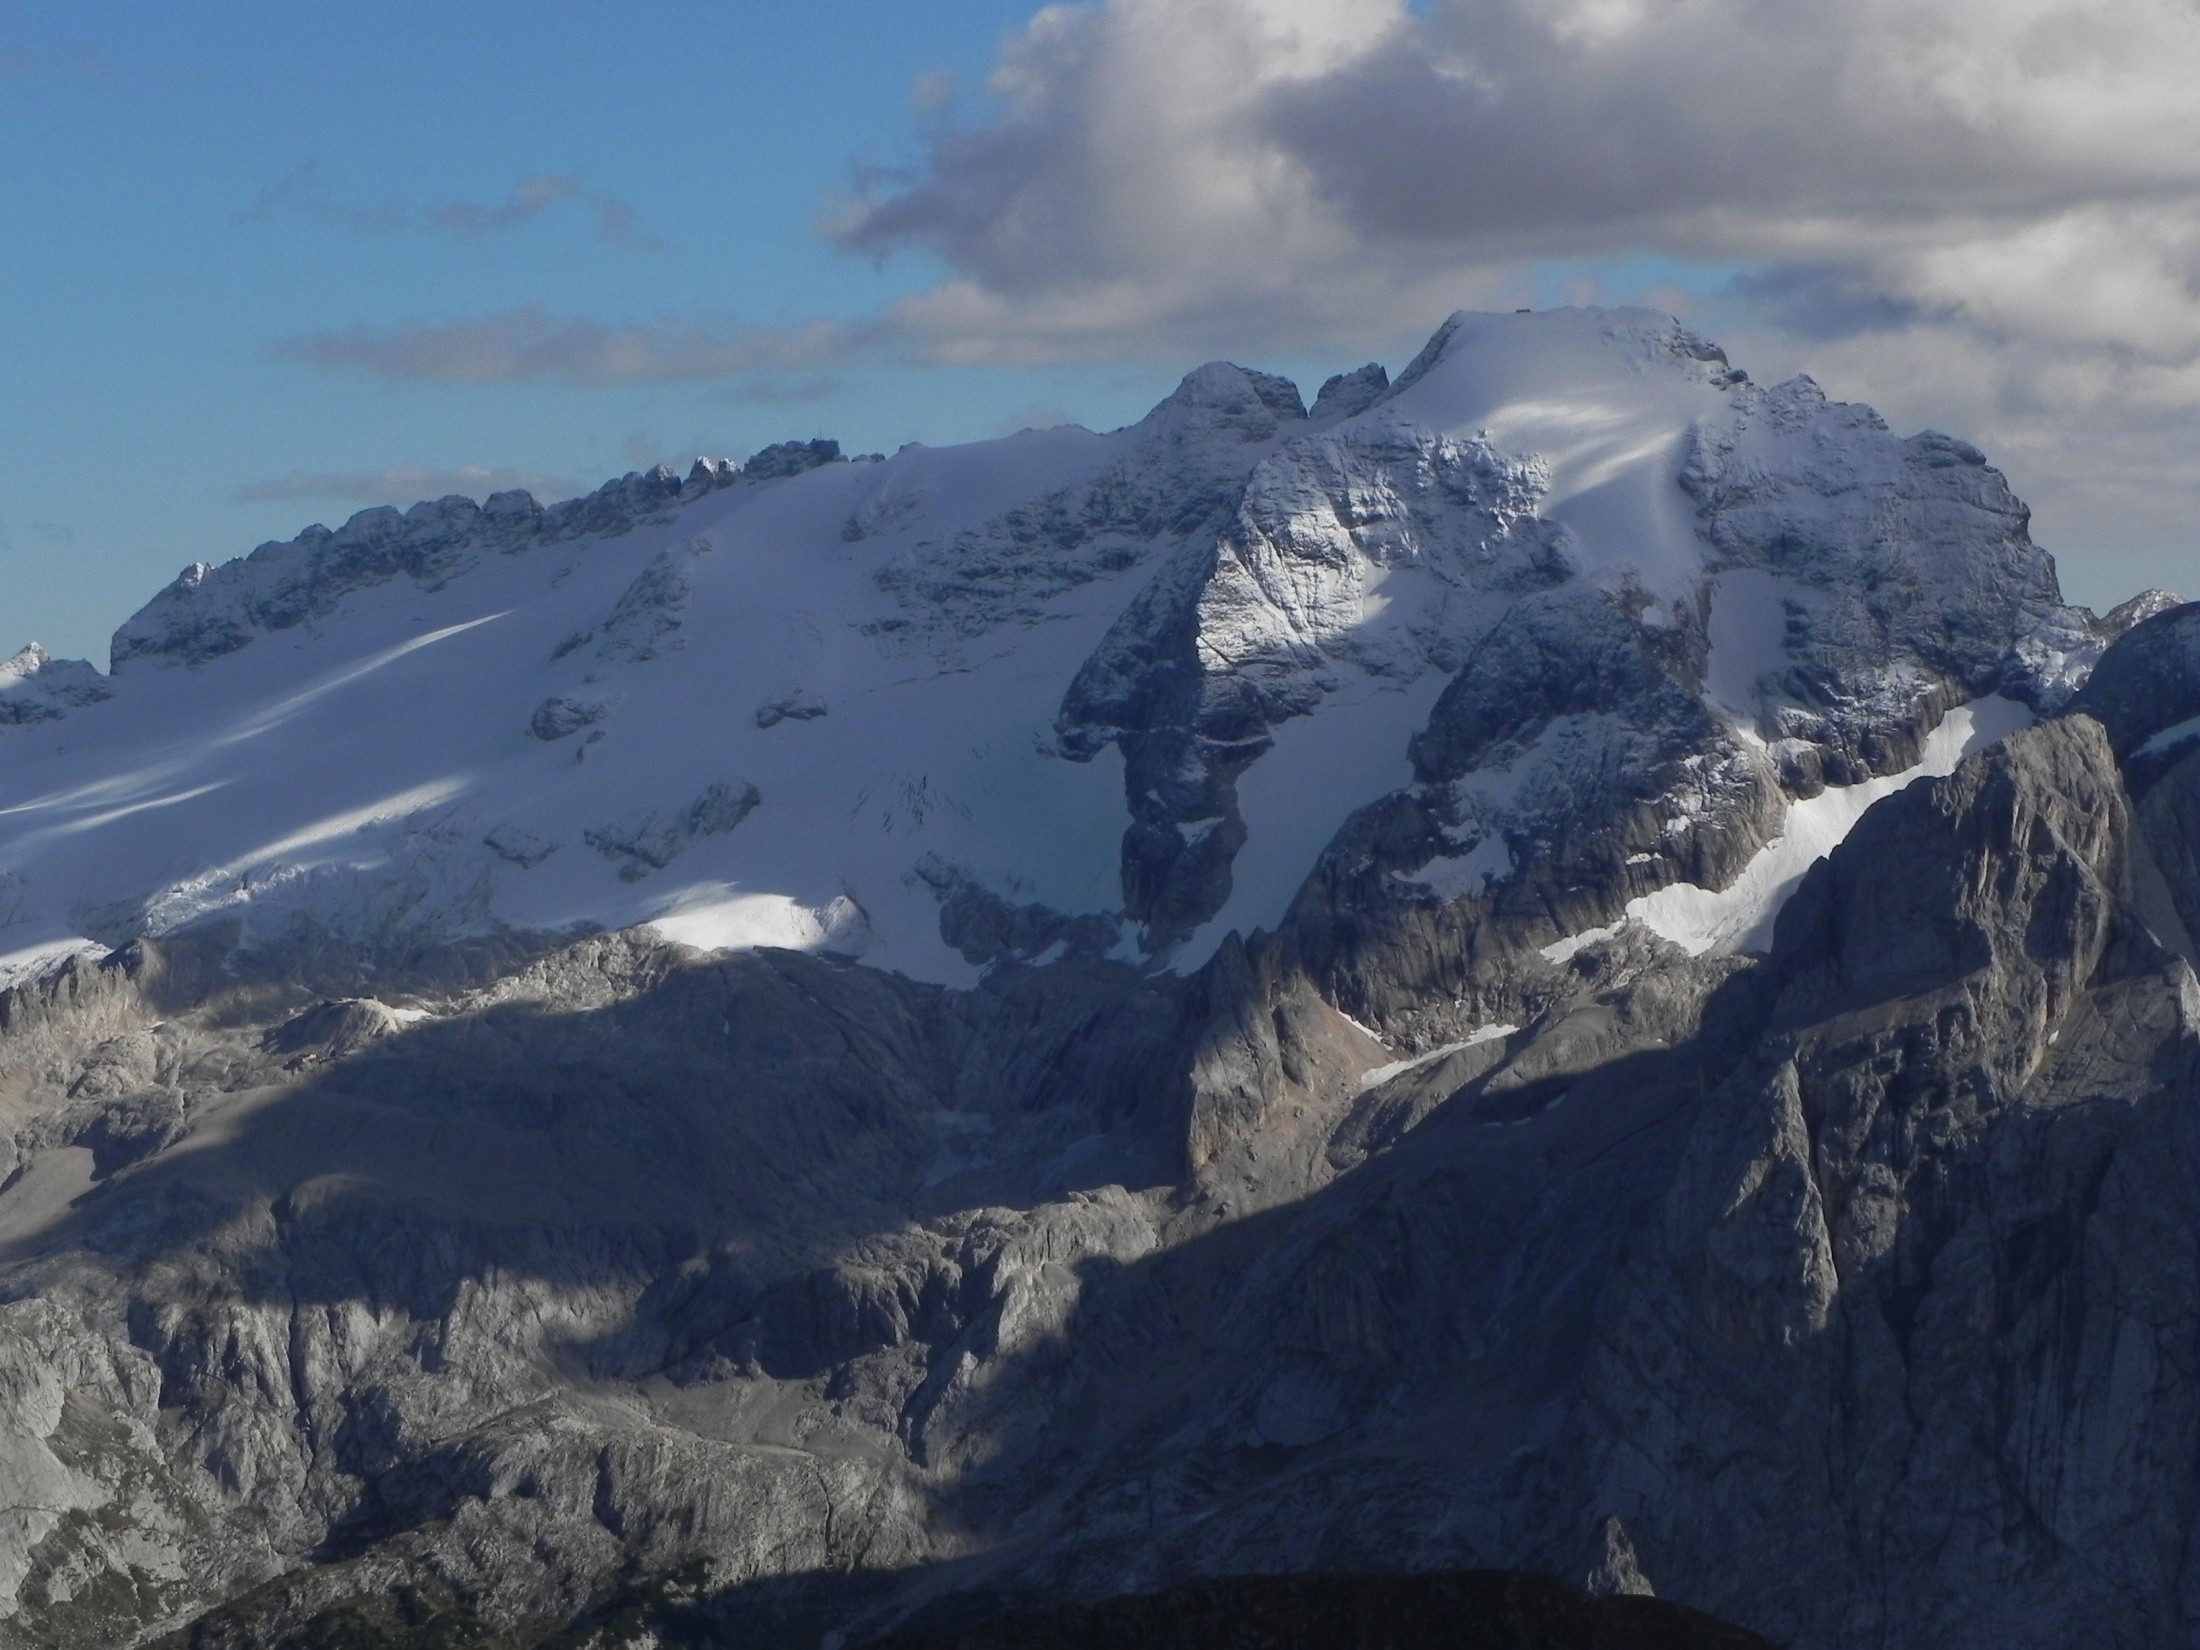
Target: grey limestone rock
[(651, 840), (209, 611), (2120, 618), (1841, 1292), (1878, 564), (2148, 683), (987, 927), (789, 458), (1171, 492), (646, 614), (516, 845), (1873, 1241), (332, 1030), (794, 705), (561, 716), (1617, 1572), (1350, 392), (1239, 635)]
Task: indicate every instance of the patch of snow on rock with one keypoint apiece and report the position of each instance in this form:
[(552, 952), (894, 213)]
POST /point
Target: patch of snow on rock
[(1474, 1039), (723, 918), (2176, 735), (1565, 950), (1740, 917)]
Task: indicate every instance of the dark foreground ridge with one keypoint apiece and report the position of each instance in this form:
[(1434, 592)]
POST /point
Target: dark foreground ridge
[(1454, 1610), (1446, 1610)]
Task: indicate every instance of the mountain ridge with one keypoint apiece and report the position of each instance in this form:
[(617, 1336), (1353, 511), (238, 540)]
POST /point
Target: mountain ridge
[(1307, 621)]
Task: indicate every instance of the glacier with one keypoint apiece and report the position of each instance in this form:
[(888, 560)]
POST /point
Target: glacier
[(948, 655)]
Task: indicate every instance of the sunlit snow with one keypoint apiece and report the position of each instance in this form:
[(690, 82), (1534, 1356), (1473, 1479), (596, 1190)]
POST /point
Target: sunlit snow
[(1740, 916)]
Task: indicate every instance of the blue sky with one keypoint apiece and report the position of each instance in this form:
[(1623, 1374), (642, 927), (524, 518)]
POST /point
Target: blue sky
[(156, 258), (265, 264)]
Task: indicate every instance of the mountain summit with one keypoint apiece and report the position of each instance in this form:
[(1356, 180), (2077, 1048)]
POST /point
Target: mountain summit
[(1567, 963)]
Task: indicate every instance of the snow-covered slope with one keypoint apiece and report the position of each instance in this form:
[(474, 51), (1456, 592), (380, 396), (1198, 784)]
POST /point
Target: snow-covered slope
[(1061, 692)]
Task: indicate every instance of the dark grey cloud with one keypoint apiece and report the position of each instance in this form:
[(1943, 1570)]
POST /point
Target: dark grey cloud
[(1292, 156), (1824, 301), (528, 344), (785, 392), (301, 190), (1535, 127)]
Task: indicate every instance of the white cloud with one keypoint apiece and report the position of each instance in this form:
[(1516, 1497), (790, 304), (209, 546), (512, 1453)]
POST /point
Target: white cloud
[(1125, 195), (1982, 216), (1175, 166)]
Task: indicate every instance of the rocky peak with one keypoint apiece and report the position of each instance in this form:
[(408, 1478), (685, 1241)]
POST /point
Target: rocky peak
[(37, 687), (1566, 341), (1226, 400), (2146, 689), (2124, 615), (781, 459), (1350, 392)]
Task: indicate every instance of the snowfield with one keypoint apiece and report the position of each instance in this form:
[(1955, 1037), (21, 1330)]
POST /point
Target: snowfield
[(824, 704)]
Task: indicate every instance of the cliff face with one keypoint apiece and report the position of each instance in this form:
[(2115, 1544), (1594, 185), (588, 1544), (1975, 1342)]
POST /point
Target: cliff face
[(1565, 965)]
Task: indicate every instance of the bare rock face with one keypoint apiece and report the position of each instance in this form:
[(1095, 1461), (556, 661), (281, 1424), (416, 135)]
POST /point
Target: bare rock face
[(332, 1030), (650, 841), (1876, 1244), (1840, 1294), (2147, 686), (2146, 695)]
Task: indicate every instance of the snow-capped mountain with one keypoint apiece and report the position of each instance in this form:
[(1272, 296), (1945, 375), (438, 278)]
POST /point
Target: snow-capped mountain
[(1115, 693), (1564, 964)]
